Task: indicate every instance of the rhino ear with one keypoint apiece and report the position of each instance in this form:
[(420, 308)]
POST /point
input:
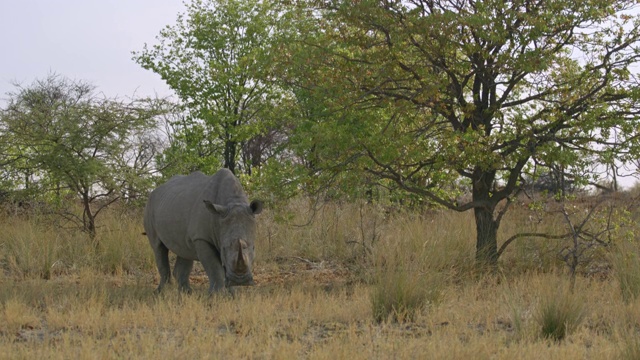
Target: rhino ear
[(256, 207), (214, 208)]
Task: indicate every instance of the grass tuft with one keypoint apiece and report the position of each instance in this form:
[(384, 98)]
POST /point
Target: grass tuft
[(16, 315), (31, 249), (559, 312), (409, 271), (399, 295)]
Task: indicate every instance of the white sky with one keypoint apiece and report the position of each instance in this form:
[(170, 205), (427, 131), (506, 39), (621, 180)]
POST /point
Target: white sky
[(89, 40)]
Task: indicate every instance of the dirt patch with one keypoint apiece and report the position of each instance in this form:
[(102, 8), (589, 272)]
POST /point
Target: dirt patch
[(296, 270)]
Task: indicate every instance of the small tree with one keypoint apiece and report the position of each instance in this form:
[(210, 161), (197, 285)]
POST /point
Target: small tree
[(74, 141), (214, 58)]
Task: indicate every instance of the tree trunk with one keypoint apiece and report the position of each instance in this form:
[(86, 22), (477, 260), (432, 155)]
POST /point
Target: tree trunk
[(91, 226), (230, 155), (487, 237), (486, 224), (88, 217)]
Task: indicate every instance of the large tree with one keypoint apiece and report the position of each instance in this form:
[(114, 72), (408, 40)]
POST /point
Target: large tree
[(70, 140), (214, 58), (430, 93)]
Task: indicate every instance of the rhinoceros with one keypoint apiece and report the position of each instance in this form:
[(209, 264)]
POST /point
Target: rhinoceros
[(204, 218)]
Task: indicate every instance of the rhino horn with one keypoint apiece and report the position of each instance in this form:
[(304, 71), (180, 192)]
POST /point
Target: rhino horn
[(241, 266)]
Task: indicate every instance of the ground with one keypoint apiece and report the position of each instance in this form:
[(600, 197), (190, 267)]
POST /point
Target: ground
[(298, 309)]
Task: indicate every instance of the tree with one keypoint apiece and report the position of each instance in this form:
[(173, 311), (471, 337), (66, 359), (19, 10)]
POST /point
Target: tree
[(425, 93), (73, 141), (214, 58)]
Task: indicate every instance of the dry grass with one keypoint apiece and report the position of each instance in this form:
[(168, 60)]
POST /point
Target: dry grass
[(626, 260), (560, 311), (63, 297)]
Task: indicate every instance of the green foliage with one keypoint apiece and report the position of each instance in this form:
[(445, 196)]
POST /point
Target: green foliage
[(66, 139), (422, 94), (216, 58), (189, 150)]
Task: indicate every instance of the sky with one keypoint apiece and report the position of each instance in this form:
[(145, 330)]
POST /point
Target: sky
[(89, 40)]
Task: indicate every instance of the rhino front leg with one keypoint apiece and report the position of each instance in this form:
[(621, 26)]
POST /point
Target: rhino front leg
[(210, 259), (181, 272)]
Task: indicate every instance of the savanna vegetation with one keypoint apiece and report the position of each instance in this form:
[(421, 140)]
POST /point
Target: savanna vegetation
[(360, 281), (441, 180)]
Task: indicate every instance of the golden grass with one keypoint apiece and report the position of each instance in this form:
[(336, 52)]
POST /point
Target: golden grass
[(111, 318), (313, 298)]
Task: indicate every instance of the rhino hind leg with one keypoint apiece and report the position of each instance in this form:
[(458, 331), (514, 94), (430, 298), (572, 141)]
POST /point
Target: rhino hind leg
[(162, 262), (210, 259), (181, 272)]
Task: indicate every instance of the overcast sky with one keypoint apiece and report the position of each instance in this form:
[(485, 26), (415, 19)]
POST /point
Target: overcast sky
[(89, 40)]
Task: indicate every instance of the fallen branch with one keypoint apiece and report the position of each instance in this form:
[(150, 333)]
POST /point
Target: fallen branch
[(540, 235)]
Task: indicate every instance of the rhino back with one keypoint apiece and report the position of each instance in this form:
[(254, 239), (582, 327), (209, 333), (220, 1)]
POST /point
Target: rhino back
[(225, 189)]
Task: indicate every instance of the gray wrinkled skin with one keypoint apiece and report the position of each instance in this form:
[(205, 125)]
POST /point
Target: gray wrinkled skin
[(204, 218)]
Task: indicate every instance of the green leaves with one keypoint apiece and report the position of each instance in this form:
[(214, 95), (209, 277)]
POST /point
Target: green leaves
[(63, 138), (217, 59), (428, 94), (429, 88)]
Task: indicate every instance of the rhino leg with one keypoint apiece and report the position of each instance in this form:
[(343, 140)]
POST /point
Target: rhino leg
[(181, 272), (162, 261), (210, 259)]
